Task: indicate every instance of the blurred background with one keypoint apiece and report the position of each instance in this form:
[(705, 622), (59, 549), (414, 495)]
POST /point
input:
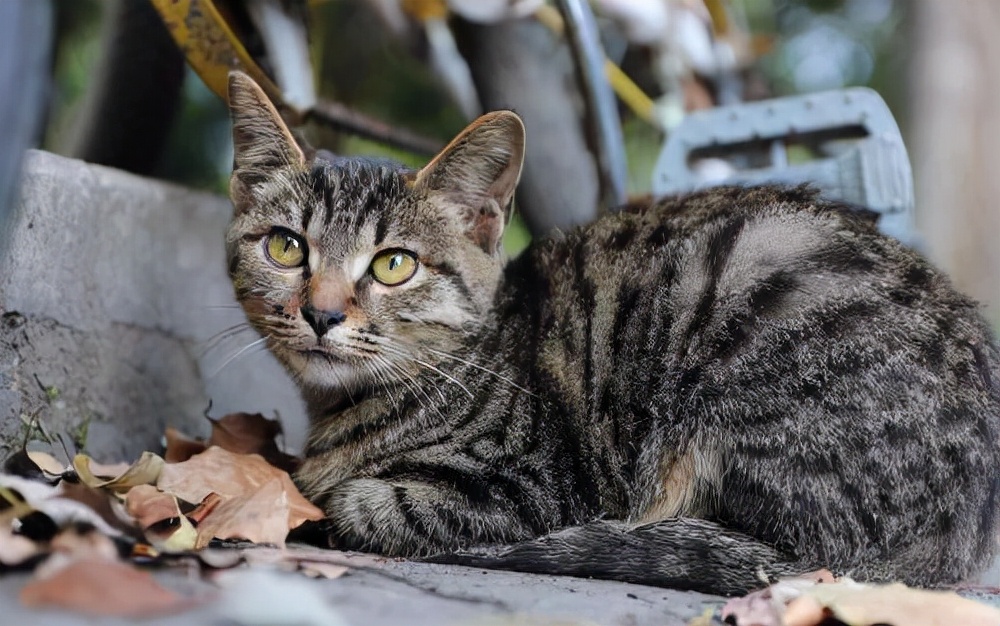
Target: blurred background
[(937, 64)]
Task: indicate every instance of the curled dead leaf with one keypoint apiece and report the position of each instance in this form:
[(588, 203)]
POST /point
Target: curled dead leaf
[(49, 465), (206, 506), (898, 605), (180, 447), (233, 475), (145, 471), (245, 433), (160, 517)]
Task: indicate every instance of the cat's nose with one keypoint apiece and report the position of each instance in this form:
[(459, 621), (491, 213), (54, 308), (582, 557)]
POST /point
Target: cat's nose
[(321, 321)]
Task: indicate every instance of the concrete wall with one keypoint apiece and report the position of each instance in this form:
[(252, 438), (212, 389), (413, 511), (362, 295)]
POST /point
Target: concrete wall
[(111, 286)]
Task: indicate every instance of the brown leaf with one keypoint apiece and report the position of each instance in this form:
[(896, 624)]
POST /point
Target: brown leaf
[(180, 447), (148, 505), (160, 517), (207, 505), (261, 517), (103, 587), (107, 506), (233, 476), (247, 433)]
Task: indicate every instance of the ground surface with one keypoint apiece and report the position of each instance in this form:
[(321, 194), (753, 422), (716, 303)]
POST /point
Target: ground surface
[(396, 593)]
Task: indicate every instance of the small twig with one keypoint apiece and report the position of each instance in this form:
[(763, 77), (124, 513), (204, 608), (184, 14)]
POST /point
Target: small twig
[(346, 119)]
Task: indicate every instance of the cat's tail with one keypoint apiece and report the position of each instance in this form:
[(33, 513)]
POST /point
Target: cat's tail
[(681, 553)]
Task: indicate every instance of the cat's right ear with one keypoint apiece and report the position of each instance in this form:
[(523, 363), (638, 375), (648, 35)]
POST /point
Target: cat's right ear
[(262, 144), (475, 176)]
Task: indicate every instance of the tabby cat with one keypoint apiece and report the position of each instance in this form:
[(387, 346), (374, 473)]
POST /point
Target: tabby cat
[(701, 393)]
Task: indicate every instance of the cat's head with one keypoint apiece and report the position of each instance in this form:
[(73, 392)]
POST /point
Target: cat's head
[(352, 269)]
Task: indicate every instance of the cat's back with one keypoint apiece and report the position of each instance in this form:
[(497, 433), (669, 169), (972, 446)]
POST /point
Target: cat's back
[(761, 340), (744, 254)]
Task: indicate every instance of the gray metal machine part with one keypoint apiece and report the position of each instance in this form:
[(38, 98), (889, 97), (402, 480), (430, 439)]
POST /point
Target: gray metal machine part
[(845, 143)]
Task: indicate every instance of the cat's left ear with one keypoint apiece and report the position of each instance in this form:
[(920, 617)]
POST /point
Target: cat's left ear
[(262, 144), (476, 174)]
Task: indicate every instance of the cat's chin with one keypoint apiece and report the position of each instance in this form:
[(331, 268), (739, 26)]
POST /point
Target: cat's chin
[(321, 369)]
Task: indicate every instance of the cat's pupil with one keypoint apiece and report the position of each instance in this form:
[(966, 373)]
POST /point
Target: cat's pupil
[(290, 242), (395, 261)]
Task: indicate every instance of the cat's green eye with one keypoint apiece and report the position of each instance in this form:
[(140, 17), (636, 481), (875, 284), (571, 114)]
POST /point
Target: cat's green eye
[(286, 249), (394, 267)]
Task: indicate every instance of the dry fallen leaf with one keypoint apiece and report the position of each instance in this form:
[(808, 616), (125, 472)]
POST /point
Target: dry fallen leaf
[(242, 433), (107, 506), (260, 517), (16, 549), (143, 472), (233, 476), (180, 447), (49, 500), (804, 602), (48, 464), (897, 605), (245, 433), (103, 587), (160, 517), (766, 607)]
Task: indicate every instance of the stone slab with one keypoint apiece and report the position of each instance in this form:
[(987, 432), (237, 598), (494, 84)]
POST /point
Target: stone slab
[(111, 287)]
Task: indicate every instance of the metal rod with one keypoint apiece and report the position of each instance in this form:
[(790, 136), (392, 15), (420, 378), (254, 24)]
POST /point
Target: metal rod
[(343, 118), (585, 44)]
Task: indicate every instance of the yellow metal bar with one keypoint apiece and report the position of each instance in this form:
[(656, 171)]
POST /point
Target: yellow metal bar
[(630, 93), (720, 18), (210, 46)]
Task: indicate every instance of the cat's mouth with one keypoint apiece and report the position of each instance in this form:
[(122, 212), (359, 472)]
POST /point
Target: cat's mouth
[(321, 352)]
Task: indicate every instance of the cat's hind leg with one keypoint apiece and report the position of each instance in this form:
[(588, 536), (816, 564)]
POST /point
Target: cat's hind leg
[(680, 553)]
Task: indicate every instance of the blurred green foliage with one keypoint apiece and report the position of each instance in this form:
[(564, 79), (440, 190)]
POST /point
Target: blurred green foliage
[(816, 44)]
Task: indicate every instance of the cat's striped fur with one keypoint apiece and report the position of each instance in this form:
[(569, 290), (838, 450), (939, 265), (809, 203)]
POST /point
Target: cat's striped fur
[(694, 393)]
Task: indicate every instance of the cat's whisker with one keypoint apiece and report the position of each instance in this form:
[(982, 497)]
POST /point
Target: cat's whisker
[(343, 385), (227, 333), (444, 374), (409, 356), (258, 343), (479, 367), (414, 386)]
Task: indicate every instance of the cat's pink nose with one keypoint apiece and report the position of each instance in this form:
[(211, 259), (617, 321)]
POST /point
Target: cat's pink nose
[(321, 321)]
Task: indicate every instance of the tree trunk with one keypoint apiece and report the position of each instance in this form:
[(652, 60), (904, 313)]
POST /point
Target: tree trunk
[(955, 141)]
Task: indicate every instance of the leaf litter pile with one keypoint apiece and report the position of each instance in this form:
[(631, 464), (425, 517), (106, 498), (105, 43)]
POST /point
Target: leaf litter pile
[(90, 531)]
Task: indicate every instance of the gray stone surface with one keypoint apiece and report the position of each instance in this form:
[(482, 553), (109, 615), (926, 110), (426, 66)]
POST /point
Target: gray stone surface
[(110, 288), (403, 593)]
